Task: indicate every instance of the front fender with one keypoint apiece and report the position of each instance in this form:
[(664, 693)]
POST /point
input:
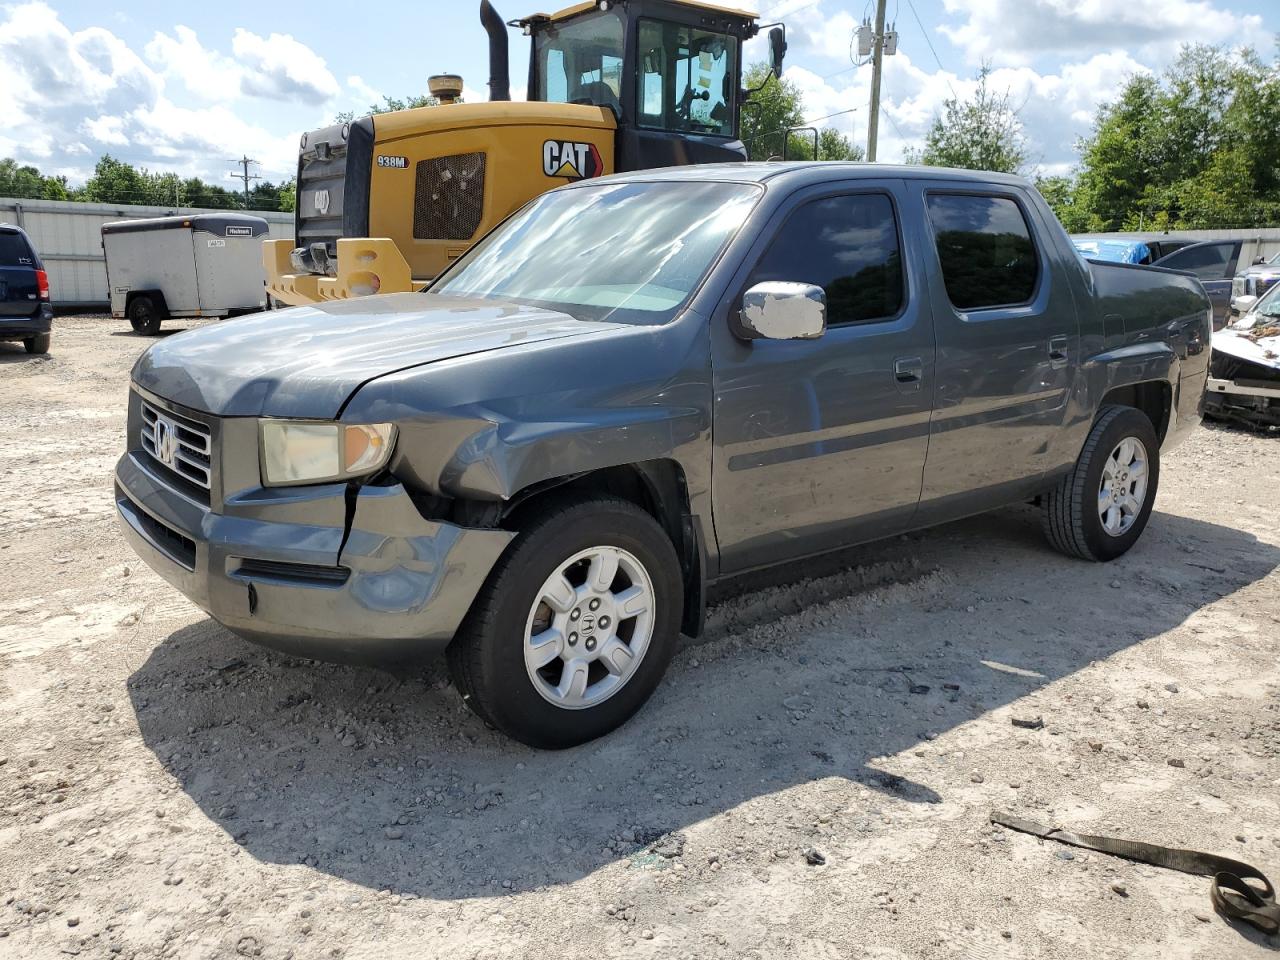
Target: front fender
[(488, 426)]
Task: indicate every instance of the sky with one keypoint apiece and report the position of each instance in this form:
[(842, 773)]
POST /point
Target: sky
[(191, 87)]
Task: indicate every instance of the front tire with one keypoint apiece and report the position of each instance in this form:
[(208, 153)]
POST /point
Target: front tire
[(1099, 510), (145, 316), (575, 626), (39, 343)]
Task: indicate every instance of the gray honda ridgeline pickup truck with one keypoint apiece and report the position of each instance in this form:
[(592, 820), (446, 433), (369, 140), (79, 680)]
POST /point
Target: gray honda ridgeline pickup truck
[(634, 387)]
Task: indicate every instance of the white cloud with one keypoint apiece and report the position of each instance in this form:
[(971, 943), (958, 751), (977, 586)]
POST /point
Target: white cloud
[(176, 132), (279, 67), (108, 130), (203, 72), (361, 91), (276, 67), (1017, 31), (1059, 60), (812, 30), (44, 64), (1055, 108), (67, 97)]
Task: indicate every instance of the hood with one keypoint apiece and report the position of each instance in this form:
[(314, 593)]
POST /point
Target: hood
[(1248, 345), (306, 361)]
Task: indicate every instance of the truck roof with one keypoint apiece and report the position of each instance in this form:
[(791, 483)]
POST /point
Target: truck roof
[(206, 222), (800, 172)]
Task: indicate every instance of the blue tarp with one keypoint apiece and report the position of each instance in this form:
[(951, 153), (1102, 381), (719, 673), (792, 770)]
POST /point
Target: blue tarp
[(1114, 251)]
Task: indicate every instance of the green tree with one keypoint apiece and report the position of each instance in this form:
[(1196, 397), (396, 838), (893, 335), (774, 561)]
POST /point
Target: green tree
[(288, 194), (980, 133), (772, 110), (115, 181), (1196, 147), (28, 182), (390, 105), (1059, 192), (778, 107)]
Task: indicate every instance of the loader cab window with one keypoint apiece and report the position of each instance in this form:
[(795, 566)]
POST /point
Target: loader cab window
[(581, 61), (687, 78)]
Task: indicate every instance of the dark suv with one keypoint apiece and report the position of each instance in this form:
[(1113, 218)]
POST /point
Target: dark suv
[(25, 311)]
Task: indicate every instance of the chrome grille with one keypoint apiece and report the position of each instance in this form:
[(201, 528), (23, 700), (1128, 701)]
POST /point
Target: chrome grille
[(178, 444)]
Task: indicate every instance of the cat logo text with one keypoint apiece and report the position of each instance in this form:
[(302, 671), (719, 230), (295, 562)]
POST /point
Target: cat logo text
[(574, 161)]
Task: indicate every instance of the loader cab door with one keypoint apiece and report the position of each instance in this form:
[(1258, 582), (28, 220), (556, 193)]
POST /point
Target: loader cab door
[(685, 93)]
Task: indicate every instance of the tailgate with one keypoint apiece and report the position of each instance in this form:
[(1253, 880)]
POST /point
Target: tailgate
[(19, 295)]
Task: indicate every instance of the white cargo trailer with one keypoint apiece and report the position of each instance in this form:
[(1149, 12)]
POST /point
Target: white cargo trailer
[(204, 265)]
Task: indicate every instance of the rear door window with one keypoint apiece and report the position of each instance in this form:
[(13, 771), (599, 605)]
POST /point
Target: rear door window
[(1208, 261), (848, 245), (984, 245), (14, 251)]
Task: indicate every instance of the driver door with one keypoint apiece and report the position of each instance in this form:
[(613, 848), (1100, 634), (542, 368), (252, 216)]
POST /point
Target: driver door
[(819, 443)]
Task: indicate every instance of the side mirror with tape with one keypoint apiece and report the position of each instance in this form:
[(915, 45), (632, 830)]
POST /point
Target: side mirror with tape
[(777, 310), (1243, 304)]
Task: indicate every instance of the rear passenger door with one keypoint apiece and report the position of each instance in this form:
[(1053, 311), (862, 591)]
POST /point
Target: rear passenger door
[(822, 442), (1214, 264), (1008, 349)]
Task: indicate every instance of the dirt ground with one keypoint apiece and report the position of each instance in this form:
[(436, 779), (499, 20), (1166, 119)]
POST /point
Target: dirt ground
[(168, 790)]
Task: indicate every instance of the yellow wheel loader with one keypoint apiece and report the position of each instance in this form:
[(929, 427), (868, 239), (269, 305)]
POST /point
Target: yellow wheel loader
[(386, 202)]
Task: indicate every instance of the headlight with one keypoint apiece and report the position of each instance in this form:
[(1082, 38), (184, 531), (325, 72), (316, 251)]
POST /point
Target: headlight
[(296, 452)]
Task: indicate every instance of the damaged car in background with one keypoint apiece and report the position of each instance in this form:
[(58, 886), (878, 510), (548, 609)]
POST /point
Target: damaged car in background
[(1244, 374), (1255, 280)]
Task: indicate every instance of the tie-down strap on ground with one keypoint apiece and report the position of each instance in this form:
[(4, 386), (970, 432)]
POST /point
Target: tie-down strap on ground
[(1233, 896)]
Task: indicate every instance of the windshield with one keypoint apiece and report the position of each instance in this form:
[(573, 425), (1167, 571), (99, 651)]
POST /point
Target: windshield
[(627, 252), (581, 61), (1265, 312)]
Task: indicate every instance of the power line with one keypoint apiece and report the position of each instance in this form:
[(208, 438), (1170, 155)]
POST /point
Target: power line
[(894, 123), (936, 58), (775, 15)]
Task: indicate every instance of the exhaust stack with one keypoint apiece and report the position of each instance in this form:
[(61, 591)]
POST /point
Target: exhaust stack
[(499, 75)]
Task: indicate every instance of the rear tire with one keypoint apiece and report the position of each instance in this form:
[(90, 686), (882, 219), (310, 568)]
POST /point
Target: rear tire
[(1099, 510), (606, 639), (145, 315), (39, 343)]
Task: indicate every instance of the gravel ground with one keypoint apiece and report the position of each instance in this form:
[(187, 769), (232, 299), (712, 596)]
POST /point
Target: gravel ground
[(167, 790)]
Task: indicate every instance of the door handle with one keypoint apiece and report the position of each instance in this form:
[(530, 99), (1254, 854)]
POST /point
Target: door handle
[(1058, 351), (908, 371)]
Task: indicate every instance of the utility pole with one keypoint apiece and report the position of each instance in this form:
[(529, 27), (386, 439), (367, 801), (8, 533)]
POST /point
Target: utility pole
[(877, 61), (877, 43), (244, 162)]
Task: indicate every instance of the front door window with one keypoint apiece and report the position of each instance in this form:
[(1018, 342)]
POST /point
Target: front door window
[(686, 78)]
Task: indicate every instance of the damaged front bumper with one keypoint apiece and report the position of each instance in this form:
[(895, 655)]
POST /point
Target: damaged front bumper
[(354, 575), (1244, 377)]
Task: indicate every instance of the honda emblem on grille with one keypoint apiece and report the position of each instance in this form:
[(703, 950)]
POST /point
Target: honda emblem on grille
[(164, 437), (322, 202)]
